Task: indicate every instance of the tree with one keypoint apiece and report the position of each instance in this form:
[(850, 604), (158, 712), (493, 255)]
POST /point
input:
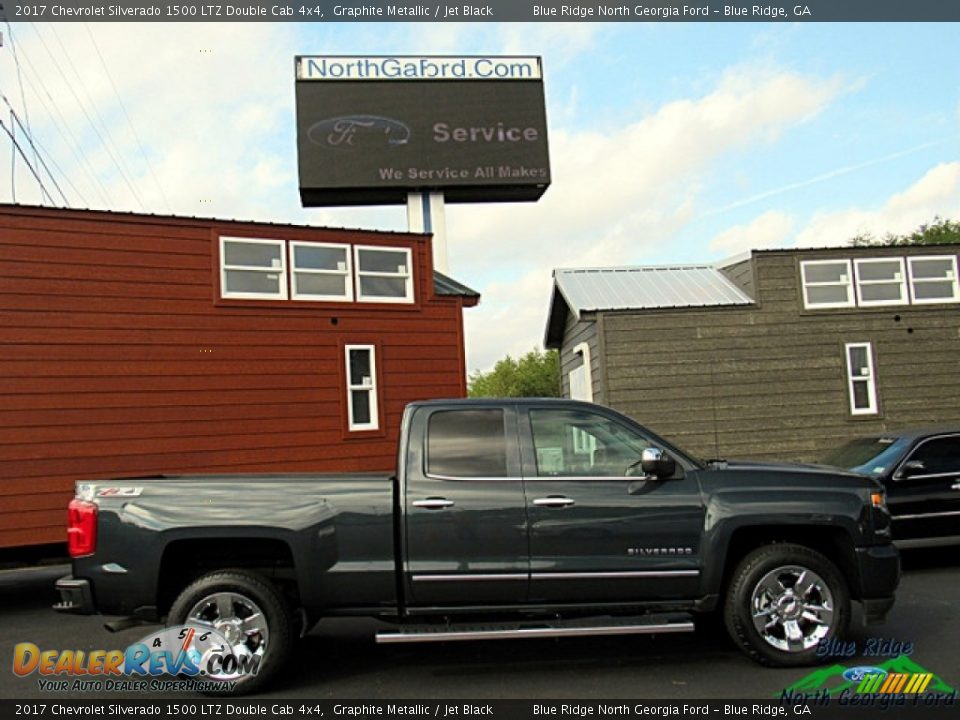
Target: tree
[(939, 232), (536, 374)]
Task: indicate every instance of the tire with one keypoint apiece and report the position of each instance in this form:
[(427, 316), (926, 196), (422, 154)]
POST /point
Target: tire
[(773, 621), (228, 601)]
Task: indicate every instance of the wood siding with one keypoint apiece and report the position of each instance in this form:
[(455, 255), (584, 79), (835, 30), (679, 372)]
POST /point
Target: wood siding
[(769, 381), (118, 358), (574, 333)]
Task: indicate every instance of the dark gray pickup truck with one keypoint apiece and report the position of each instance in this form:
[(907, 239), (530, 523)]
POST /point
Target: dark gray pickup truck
[(505, 518)]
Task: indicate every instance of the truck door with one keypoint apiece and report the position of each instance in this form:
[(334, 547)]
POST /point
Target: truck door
[(465, 517), (924, 495), (597, 532)]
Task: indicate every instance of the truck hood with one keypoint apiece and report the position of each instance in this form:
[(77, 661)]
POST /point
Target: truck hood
[(783, 466)]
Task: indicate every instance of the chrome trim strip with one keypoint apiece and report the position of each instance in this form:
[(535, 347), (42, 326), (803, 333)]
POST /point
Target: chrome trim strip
[(433, 476), (441, 636), (612, 575), (926, 515), (470, 577)]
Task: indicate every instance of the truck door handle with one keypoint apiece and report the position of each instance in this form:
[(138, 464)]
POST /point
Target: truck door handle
[(955, 486), (554, 501), (433, 503)]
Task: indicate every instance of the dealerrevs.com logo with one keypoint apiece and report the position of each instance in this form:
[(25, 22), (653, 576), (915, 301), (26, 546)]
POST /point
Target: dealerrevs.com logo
[(183, 657)]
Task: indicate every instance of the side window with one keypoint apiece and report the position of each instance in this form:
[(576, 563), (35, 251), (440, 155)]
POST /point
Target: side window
[(576, 443), (940, 456), (321, 271), (252, 268), (826, 283), (384, 275), (467, 444), (362, 413), (861, 379), (881, 281)]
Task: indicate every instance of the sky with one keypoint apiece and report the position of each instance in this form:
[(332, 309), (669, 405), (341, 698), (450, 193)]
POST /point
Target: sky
[(670, 142)]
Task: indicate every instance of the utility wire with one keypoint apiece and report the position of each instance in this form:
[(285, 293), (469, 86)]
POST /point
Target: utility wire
[(96, 130), (13, 168), (36, 153), (43, 188), (16, 62), (81, 159), (126, 115)]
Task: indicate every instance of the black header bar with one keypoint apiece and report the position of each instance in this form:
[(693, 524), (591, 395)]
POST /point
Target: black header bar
[(484, 11)]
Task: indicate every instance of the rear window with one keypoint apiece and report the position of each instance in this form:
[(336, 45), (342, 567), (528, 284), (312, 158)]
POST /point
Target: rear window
[(467, 443)]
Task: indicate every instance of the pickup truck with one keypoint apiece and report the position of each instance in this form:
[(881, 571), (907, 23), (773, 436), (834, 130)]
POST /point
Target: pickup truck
[(504, 519)]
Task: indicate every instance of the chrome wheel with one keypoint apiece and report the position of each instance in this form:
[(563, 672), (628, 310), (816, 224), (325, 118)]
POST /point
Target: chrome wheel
[(792, 608), (237, 618)]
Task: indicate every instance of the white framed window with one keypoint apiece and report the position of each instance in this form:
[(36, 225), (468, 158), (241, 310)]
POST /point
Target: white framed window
[(933, 279), (383, 274), (861, 378), (320, 271), (881, 281), (362, 407), (827, 283), (252, 268)]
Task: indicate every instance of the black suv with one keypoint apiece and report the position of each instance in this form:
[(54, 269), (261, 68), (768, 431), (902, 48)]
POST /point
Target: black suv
[(921, 471)]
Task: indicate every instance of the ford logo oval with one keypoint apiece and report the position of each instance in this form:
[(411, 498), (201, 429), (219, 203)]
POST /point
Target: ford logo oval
[(856, 674), (358, 132)]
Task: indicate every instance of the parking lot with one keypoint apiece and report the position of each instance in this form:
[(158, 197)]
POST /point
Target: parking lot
[(339, 659)]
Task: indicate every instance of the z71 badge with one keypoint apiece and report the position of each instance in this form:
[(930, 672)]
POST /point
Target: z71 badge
[(120, 492)]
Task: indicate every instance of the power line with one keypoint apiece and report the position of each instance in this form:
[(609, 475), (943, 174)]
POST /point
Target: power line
[(105, 144), (81, 159), (123, 107), (16, 62), (36, 154), (12, 137)]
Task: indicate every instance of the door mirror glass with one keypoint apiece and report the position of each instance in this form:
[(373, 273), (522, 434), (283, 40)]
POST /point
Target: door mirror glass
[(657, 463)]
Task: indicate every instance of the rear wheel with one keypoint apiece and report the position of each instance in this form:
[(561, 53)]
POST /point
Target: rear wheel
[(783, 601), (253, 618)]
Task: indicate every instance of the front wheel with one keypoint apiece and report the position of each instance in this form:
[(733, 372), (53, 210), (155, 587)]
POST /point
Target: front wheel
[(783, 601), (252, 617)]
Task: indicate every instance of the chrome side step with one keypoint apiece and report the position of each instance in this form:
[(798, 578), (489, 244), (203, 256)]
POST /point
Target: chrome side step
[(531, 629)]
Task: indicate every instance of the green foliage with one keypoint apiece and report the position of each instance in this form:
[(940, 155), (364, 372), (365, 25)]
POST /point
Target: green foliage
[(536, 374), (939, 232)]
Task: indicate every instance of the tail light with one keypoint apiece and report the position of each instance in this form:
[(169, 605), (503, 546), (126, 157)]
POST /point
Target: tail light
[(81, 528)]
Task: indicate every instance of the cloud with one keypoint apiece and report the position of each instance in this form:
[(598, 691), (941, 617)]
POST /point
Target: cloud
[(616, 197), (936, 193), (768, 230)]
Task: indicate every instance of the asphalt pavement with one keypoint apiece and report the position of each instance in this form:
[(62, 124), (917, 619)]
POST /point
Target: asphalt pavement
[(339, 659)]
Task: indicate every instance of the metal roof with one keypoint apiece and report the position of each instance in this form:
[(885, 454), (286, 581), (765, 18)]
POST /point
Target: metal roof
[(644, 288), (636, 288), (443, 285)]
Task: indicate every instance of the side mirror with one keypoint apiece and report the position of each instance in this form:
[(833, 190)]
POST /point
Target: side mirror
[(911, 468), (657, 463)]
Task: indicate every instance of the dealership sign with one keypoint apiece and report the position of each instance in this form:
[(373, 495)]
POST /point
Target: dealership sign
[(370, 130)]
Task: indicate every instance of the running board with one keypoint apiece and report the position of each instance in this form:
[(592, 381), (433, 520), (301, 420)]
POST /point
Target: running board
[(644, 625)]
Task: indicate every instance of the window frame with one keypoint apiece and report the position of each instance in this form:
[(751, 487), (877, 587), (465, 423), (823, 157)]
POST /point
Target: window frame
[(913, 281), (358, 274), (427, 454), (851, 292), (348, 273), (910, 455), (904, 297), (870, 378), (283, 293), (372, 389)]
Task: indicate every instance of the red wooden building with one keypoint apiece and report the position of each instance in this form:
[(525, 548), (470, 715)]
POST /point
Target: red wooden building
[(138, 344)]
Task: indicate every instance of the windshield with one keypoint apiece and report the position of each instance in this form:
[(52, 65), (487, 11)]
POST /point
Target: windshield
[(870, 456)]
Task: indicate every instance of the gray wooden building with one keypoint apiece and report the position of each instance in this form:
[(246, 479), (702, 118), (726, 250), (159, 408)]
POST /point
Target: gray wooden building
[(776, 354)]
